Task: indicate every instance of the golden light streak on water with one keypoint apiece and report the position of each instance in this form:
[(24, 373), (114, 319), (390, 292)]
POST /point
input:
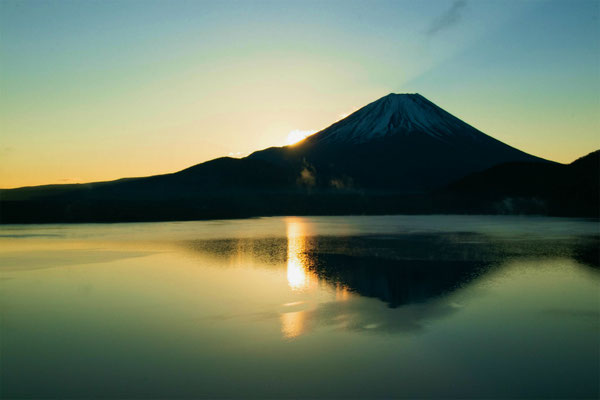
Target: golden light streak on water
[(293, 324), (298, 276)]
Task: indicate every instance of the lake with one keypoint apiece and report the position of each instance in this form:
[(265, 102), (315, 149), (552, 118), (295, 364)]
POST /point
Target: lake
[(362, 307)]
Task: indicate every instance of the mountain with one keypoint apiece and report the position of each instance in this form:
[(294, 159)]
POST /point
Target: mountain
[(401, 142), (398, 115), (398, 154), (529, 188)]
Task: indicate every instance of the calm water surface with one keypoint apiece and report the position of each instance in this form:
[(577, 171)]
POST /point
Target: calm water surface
[(365, 307)]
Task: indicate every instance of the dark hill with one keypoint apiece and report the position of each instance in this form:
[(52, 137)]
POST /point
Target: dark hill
[(538, 188)]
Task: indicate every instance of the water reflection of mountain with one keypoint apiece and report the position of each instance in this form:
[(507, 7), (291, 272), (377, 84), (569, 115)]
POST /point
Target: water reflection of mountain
[(401, 269), (396, 282), (406, 269), (396, 269)]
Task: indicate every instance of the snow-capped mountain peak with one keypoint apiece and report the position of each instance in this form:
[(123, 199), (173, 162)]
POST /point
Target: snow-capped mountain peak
[(395, 114)]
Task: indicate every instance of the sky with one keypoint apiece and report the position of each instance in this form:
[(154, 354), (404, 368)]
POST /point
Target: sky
[(99, 90)]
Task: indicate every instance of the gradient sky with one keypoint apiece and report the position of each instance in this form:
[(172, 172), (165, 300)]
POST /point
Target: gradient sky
[(101, 90)]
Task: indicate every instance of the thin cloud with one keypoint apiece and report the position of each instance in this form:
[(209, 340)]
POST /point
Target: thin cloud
[(449, 18)]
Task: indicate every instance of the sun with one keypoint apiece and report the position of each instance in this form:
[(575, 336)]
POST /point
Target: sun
[(297, 135)]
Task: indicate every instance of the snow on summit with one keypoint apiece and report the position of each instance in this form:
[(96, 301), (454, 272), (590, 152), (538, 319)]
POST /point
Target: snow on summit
[(396, 114)]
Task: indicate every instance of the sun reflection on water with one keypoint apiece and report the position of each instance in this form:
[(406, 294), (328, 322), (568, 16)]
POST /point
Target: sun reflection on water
[(302, 281), (298, 276), (293, 324), (341, 293)]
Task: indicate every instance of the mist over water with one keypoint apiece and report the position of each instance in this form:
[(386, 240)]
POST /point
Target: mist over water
[(371, 307)]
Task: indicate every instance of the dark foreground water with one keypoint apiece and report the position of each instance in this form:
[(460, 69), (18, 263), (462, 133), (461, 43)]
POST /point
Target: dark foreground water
[(365, 307)]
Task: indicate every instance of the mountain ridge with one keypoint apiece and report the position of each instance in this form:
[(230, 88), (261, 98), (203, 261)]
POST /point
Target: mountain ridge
[(402, 168)]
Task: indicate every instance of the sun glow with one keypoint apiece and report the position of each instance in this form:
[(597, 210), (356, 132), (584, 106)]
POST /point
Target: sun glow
[(297, 135)]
